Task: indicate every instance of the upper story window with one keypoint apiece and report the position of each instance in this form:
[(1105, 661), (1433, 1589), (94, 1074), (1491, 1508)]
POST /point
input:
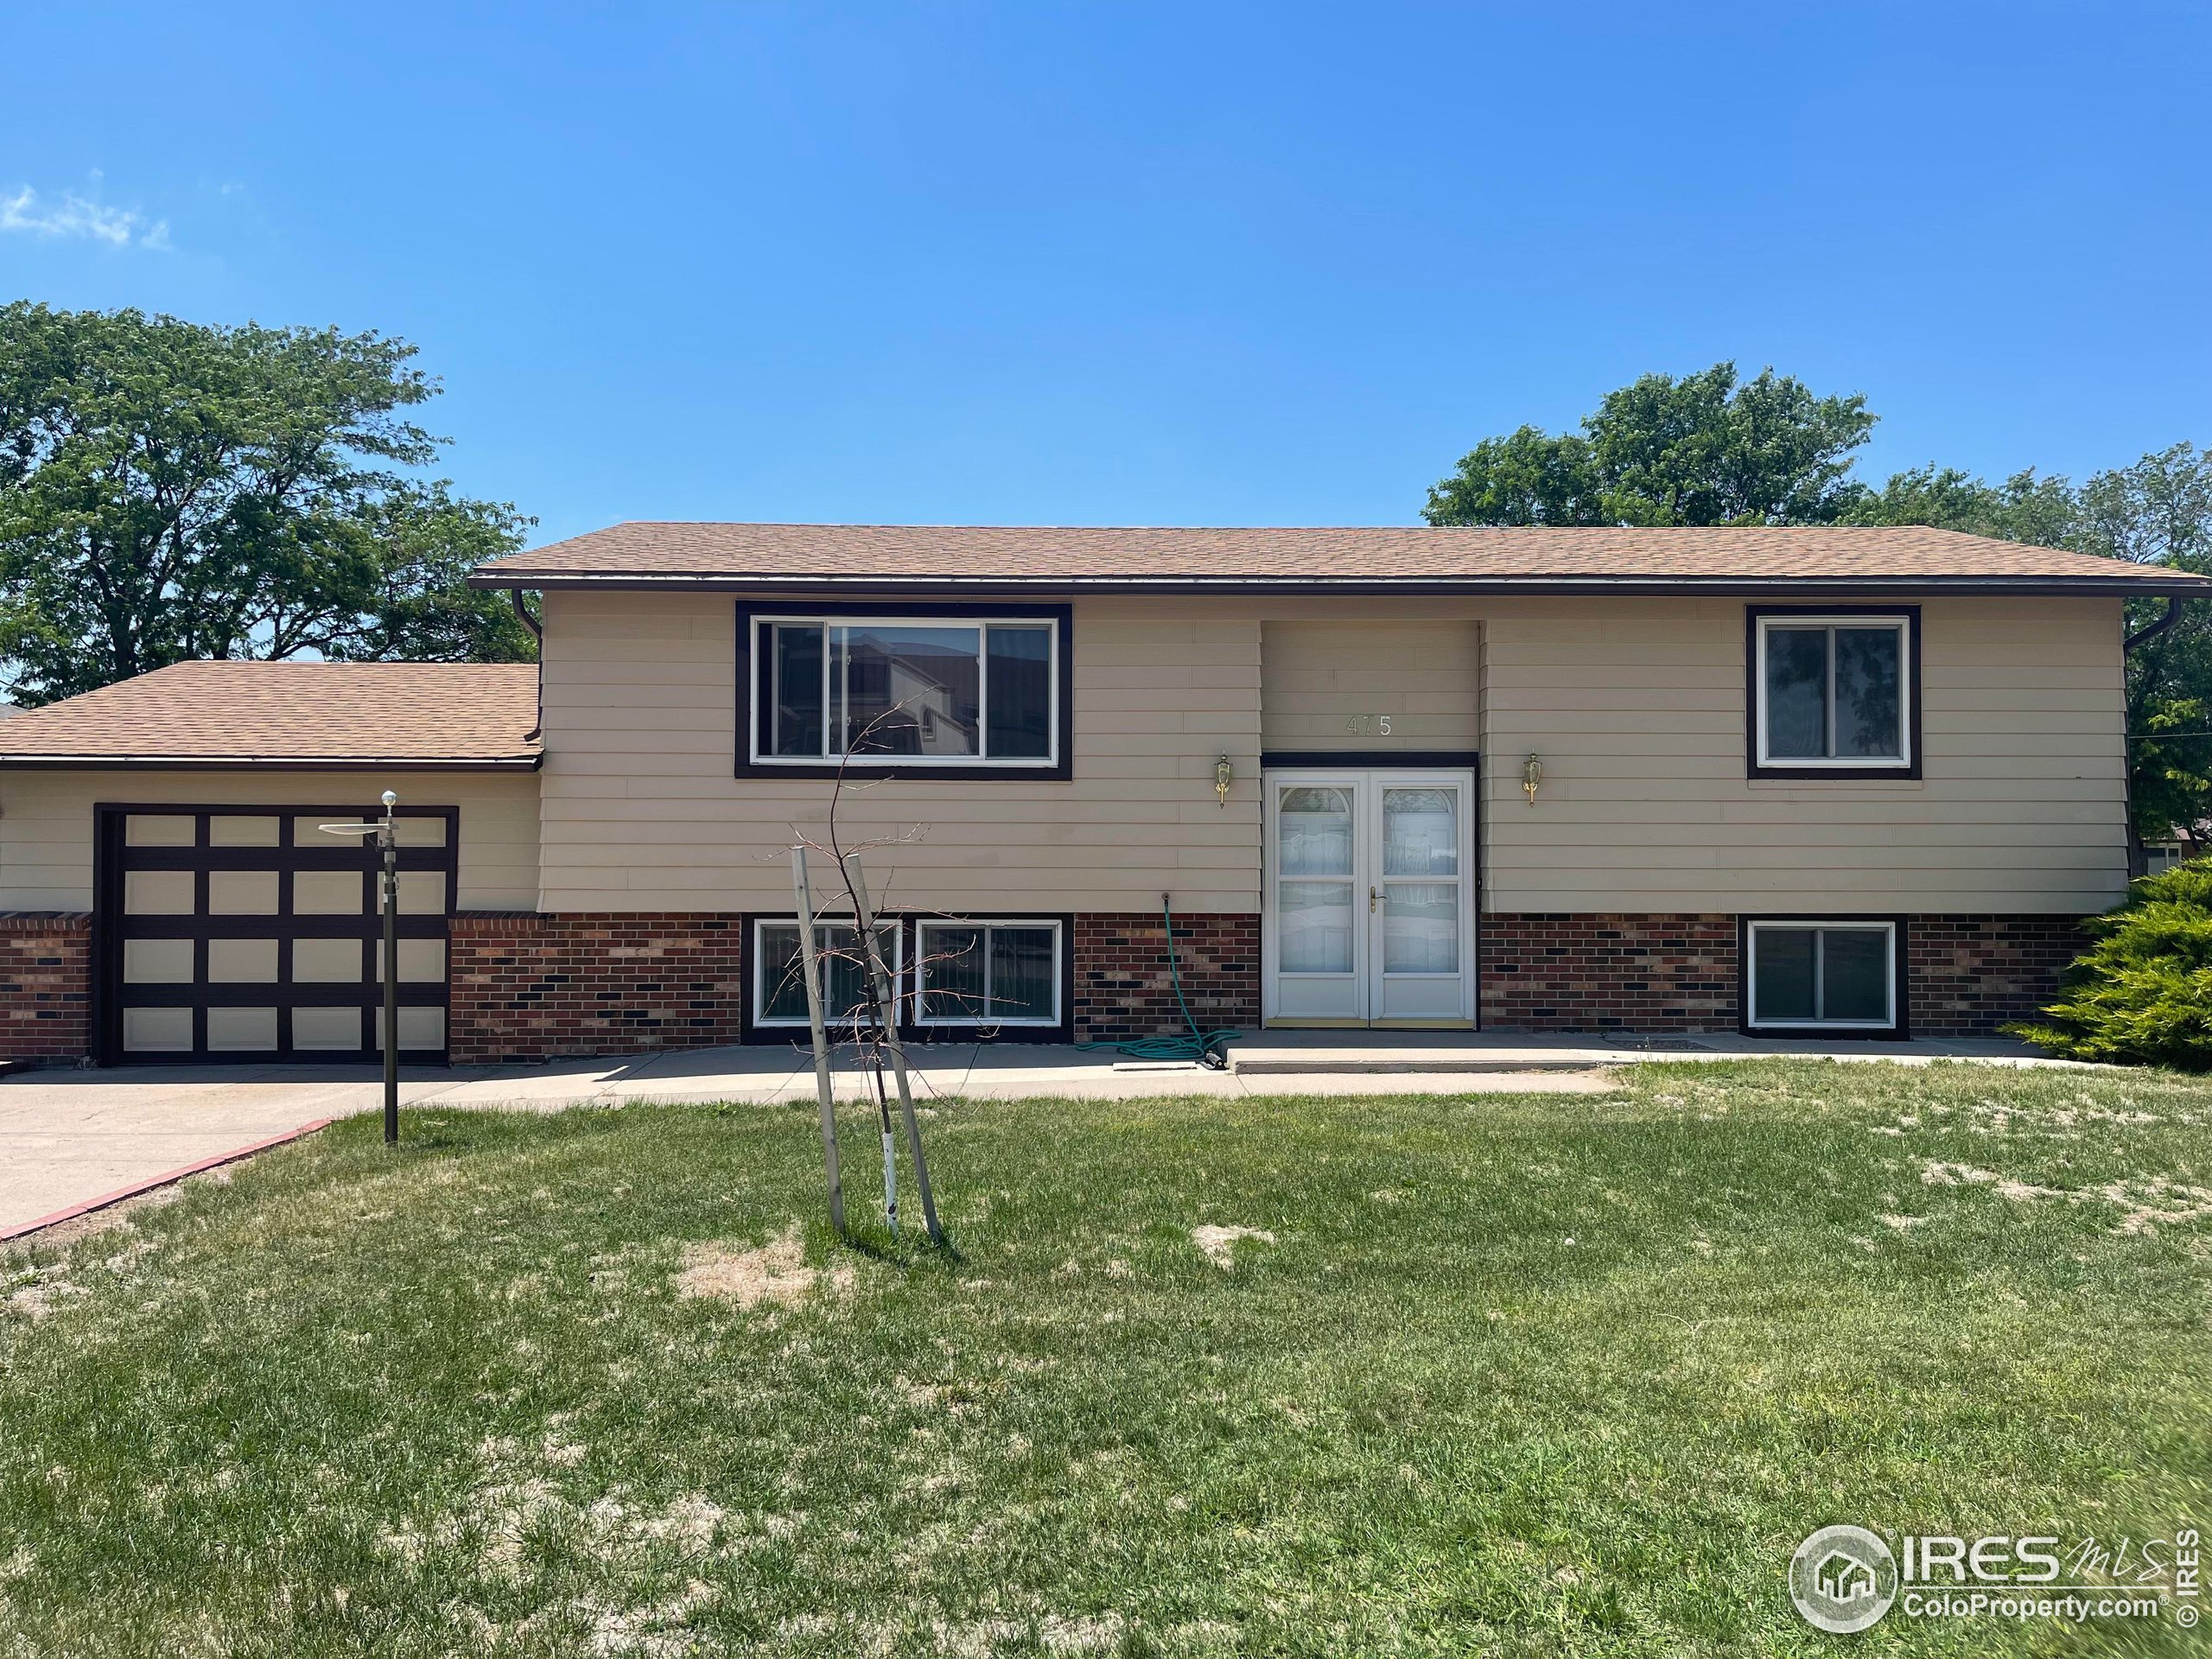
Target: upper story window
[(1834, 692), (909, 688)]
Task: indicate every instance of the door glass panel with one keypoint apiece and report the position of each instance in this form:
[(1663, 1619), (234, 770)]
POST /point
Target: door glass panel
[(1854, 974), (326, 1028), (328, 962), (242, 962), (157, 892), (1421, 832), (226, 831), (419, 832), (156, 1028), (1316, 927), (1420, 927), (157, 962), (241, 893), (241, 1030), (162, 830), (1314, 832)]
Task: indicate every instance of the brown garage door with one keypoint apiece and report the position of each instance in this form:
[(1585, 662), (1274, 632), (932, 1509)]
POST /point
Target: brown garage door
[(231, 935)]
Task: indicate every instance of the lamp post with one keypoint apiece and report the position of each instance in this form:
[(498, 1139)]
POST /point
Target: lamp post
[(388, 839)]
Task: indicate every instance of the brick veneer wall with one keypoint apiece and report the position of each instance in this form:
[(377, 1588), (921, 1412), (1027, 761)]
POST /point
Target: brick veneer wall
[(46, 986), (1591, 972), (1965, 976), (1122, 989), (1970, 974), (529, 987)]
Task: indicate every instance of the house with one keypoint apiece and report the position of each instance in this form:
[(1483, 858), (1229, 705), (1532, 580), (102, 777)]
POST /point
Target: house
[(1844, 1579), (1843, 781)]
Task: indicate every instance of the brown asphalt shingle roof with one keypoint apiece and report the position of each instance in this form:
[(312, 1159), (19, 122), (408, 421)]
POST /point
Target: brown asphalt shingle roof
[(199, 714), (649, 554)]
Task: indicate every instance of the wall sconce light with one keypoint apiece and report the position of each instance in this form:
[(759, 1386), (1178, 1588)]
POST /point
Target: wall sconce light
[(1223, 775), (1532, 773)]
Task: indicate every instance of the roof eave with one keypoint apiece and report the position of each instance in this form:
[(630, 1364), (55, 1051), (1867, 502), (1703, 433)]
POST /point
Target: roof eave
[(266, 762), (2178, 584)]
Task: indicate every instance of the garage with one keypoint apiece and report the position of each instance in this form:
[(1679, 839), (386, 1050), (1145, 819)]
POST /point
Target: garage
[(168, 894), (232, 935)]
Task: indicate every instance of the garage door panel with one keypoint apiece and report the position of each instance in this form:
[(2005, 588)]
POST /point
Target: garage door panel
[(224, 937)]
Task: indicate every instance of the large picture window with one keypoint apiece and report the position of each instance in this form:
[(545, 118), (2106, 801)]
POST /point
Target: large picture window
[(918, 690), (1834, 692), (1840, 975)]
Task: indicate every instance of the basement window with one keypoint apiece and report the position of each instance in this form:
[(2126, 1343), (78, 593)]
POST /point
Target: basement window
[(1833, 975), (915, 689), (779, 980), (1833, 693), (993, 973)]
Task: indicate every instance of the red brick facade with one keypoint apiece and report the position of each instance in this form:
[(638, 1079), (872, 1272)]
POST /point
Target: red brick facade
[(1965, 976), (1591, 972), (529, 987), (46, 984), (1122, 987), (1969, 975)]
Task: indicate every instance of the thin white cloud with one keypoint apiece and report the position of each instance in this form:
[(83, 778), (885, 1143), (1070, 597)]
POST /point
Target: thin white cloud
[(75, 216)]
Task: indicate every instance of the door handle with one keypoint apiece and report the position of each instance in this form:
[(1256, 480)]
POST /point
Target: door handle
[(1371, 902)]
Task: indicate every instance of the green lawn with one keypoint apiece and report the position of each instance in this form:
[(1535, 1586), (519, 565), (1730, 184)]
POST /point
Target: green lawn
[(1525, 1375)]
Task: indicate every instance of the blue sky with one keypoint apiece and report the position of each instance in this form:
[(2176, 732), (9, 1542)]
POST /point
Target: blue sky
[(1138, 263)]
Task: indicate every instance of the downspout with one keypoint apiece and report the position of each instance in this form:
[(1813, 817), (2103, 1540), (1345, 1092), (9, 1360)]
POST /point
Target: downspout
[(514, 596), (2138, 860)]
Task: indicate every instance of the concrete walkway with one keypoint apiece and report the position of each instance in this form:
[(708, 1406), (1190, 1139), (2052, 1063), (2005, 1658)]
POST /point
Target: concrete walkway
[(68, 1137)]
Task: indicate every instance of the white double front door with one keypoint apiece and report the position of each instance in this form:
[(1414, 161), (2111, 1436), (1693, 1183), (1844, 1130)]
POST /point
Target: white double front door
[(1370, 897)]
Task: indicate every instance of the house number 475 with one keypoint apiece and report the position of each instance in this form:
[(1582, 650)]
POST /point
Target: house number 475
[(1368, 726)]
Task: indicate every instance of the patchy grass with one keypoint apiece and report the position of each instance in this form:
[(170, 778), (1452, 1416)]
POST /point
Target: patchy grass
[(1523, 1374)]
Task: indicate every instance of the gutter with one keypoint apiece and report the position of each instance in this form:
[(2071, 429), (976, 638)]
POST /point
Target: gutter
[(2144, 636), (1424, 586)]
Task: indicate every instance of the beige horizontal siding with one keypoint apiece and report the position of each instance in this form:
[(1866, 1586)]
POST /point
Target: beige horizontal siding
[(641, 810), (46, 823), (1327, 685), (1636, 707)]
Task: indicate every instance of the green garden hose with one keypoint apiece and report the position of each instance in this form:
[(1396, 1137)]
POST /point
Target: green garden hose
[(1203, 1046)]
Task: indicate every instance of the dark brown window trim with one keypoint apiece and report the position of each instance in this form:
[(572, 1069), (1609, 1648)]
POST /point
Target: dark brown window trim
[(1373, 759), (748, 733), (911, 1031), (1901, 1032), (1754, 689)]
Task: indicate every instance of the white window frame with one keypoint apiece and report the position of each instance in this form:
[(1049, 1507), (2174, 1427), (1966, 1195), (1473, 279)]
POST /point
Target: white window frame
[(1831, 925), (802, 1021), (923, 926), (763, 651), (1902, 761)]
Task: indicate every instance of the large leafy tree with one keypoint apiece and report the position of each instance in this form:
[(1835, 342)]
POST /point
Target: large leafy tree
[(1701, 449), (170, 490), (1706, 449), (2156, 511)]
